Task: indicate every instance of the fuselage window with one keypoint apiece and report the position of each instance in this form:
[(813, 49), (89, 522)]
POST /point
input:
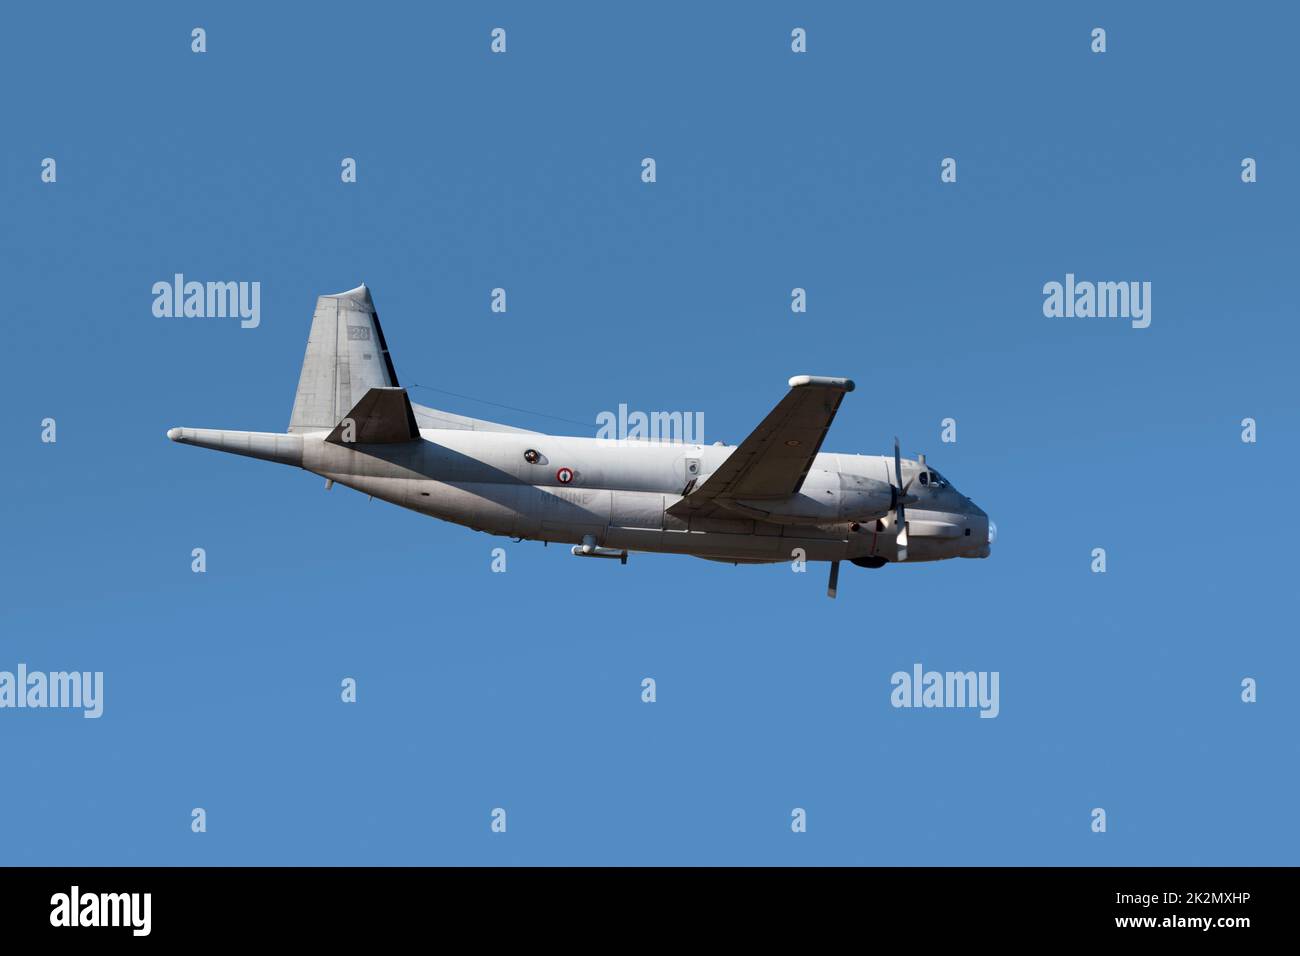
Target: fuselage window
[(925, 478)]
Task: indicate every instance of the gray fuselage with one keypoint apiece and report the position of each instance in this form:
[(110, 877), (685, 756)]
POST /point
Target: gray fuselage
[(619, 491), (778, 499)]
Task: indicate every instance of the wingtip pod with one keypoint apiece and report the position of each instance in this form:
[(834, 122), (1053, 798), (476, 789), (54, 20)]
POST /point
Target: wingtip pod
[(843, 384)]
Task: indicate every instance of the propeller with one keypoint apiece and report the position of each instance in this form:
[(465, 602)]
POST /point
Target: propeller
[(900, 516), (901, 497)]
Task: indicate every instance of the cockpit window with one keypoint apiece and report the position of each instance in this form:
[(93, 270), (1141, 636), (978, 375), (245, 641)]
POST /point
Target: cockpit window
[(932, 479)]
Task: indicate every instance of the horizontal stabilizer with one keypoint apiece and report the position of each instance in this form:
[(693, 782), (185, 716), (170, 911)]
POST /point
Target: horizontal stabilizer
[(383, 415)]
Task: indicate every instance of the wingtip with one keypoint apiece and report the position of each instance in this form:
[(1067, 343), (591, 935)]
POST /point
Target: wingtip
[(843, 384)]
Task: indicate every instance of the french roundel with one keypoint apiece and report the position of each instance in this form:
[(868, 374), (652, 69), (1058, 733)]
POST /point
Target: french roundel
[(564, 475)]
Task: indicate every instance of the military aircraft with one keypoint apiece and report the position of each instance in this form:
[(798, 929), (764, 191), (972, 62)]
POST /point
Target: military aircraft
[(775, 497)]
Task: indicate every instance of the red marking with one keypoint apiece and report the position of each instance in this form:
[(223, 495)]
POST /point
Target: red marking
[(564, 475)]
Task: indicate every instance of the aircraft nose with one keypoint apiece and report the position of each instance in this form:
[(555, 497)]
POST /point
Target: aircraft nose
[(981, 533)]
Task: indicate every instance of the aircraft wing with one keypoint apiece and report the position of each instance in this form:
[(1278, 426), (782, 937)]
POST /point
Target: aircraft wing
[(774, 460)]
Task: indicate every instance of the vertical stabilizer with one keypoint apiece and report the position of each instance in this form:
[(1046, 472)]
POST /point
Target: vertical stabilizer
[(346, 357)]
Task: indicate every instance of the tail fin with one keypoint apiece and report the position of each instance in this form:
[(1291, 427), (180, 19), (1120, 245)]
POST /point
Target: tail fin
[(346, 357)]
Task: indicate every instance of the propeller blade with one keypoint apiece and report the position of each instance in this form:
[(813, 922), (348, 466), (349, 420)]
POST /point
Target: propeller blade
[(900, 516), (834, 582)]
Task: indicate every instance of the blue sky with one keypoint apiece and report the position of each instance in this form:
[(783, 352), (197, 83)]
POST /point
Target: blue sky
[(522, 690)]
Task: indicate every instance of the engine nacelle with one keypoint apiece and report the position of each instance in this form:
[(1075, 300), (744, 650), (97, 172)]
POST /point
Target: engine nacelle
[(826, 497)]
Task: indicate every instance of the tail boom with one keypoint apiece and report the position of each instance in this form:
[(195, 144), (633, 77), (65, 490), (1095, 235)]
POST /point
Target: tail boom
[(268, 446)]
